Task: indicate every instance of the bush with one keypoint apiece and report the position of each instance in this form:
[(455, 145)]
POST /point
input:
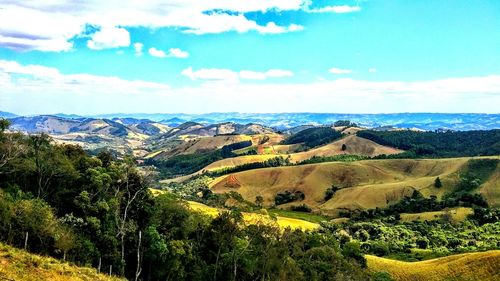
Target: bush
[(288, 196), (302, 208)]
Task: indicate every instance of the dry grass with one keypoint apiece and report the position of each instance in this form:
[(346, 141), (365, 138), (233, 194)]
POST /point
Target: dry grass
[(20, 265), (253, 218), (482, 266), (354, 145), (455, 214), (365, 184)]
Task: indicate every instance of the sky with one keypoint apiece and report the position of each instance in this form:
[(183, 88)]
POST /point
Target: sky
[(198, 56)]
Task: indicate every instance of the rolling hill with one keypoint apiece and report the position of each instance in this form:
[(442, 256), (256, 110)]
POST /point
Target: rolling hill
[(482, 266), (364, 184)]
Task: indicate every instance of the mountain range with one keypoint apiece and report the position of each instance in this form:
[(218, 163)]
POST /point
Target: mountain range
[(284, 121)]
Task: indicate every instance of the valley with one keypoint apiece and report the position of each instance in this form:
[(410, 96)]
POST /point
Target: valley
[(398, 203)]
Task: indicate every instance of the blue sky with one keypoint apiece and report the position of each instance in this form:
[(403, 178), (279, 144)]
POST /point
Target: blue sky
[(369, 56)]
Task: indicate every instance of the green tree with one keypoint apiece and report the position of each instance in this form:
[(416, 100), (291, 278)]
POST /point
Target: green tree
[(437, 183)]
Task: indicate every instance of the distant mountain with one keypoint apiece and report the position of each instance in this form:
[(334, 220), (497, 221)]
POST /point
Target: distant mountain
[(283, 121), (4, 114), (286, 121)]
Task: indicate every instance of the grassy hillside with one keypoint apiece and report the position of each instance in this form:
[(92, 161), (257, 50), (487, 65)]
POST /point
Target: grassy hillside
[(20, 265), (353, 145), (472, 266), (455, 214), (363, 184), (253, 218)]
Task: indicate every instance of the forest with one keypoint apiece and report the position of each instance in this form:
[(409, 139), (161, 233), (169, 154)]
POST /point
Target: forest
[(438, 144)]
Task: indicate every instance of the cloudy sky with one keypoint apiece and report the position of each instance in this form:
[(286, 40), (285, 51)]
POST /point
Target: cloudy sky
[(196, 56)]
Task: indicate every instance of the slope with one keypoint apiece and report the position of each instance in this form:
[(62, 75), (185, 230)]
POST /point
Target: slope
[(482, 266), (364, 184), (20, 265)]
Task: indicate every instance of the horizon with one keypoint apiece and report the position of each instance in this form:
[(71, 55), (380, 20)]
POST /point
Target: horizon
[(348, 56)]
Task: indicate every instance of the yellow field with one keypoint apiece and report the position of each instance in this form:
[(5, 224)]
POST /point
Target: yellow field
[(484, 266), (456, 214), (365, 184), (253, 218), (20, 265)]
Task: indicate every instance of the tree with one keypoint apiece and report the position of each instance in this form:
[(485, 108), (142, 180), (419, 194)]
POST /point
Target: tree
[(437, 183)]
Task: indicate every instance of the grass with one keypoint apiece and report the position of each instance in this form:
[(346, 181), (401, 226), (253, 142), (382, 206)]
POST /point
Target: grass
[(314, 218), (455, 214), (20, 265), (364, 184), (481, 266), (254, 218)]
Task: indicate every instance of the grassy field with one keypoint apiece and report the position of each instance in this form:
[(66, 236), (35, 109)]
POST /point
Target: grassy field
[(254, 218), (20, 265), (483, 266), (364, 184), (455, 214), (298, 215)]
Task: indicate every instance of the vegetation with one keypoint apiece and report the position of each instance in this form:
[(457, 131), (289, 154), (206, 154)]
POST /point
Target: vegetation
[(474, 266), (288, 196), (189, 163), (314, 137), (98, 211), (340, 158), (438, 144), (344, 123), (273, 162)]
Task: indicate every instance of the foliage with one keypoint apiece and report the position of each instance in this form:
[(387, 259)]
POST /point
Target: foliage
[(340, 157), (273, 162), (288, 196), (314, 137), (437, 144), (301, 208), (330, 192), (344, 123), (189, 163)]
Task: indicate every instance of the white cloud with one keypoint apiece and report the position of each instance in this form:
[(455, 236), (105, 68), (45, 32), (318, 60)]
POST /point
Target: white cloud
[(109, 37), (336, 70), (157, 53), (172, 52), (210, 74), (272, 73), (38, 25), (342, 9), (233, 76), (29, 89), (178, 53), (138, 49), (372, 70)]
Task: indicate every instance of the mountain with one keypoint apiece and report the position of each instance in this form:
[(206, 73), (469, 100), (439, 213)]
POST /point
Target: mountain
[(44, 124), (4, 114)]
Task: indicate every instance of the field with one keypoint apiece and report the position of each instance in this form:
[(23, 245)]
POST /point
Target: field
[(455, 214), (20, 265), (364, 184), (253, 218), (483, 266)]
